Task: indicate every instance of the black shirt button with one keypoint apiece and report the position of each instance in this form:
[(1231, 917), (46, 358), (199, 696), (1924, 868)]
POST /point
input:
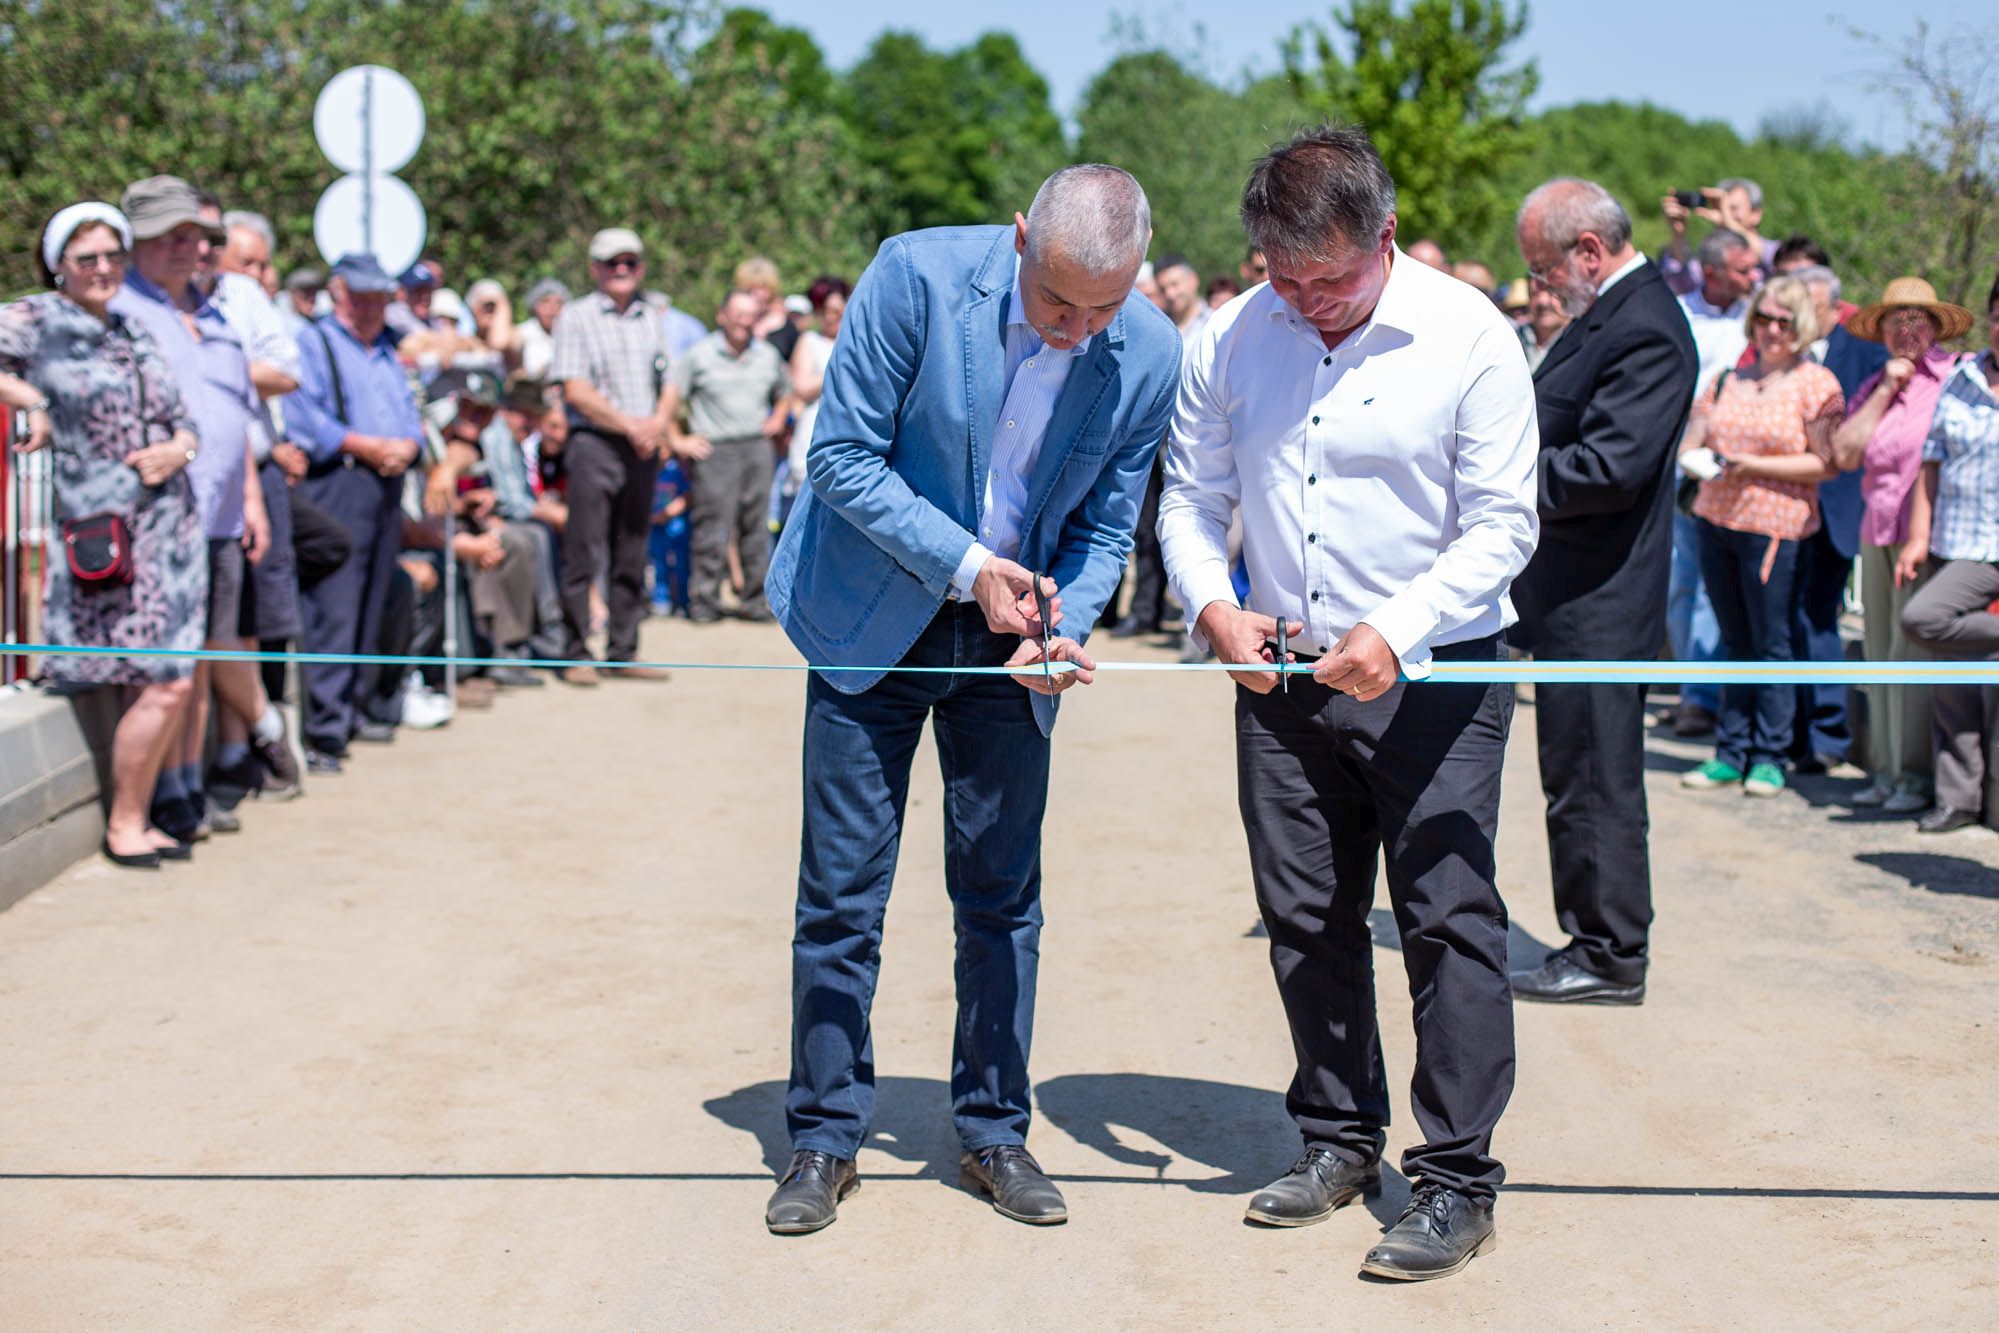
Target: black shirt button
[(1327, 362), (1311, 536), (1312, 480), (1315, 597), (1315, 421)]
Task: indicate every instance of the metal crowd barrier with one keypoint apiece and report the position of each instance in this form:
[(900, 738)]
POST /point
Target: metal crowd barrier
[(27, 519)]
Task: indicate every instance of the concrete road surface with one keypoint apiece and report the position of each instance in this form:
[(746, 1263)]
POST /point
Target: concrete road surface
[(491, 1032)]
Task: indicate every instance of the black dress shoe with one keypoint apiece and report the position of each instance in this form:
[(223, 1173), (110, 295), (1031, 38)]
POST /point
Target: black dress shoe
[(1437, 1235), (1019, 1188), (1562, 980), (319, 761), (178, 818), (1316, 1184), (1945, 819), (180, 851), (809, 1193)]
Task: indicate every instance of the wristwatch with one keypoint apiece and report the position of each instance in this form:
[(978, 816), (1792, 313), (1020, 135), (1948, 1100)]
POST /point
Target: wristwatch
[(39, 405)]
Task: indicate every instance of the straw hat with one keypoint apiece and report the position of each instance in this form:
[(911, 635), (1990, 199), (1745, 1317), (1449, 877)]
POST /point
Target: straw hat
[(1953, 321)]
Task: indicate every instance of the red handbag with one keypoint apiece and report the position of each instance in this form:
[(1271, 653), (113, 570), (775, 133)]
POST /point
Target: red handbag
[(99, 549)]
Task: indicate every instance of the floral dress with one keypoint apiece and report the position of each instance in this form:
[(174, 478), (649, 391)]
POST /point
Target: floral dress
[(110, 392)]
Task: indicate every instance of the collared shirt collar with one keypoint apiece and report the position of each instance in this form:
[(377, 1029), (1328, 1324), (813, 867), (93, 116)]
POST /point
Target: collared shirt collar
[(202, 303), (1630, 266), (1016, 313), (1697, 301), (610, 307), (1936, 363)]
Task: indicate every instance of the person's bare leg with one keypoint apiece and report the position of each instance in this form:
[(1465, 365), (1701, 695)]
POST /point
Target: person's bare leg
[(239, 694), (138, 747)]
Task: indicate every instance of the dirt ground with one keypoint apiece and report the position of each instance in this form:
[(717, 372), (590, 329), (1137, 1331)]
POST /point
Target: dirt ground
[(491, 1032)]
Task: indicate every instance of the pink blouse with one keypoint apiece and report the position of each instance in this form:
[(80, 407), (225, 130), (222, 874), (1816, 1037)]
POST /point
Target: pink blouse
[(1895, 453)]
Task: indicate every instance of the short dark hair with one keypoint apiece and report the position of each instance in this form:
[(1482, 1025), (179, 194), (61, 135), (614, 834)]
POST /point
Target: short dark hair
[(1323, 192), (1174, 260), (825, 287), (1800, 247), (208, 199)]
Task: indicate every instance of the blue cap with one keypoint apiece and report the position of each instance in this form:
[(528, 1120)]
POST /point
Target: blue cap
[(418, 274), (362, 272)]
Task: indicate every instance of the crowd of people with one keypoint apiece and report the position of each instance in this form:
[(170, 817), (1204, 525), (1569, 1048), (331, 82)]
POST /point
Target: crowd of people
[(320, 460), (347, 441)]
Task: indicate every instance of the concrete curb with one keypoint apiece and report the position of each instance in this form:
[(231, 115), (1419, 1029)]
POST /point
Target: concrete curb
[(53, 749)]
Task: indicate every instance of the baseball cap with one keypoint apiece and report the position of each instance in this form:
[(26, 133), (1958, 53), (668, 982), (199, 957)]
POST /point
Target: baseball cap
[(472, 384), (797, 305), (418, 274), (304, 280), (158, 204), (614, 241), (362, 272)]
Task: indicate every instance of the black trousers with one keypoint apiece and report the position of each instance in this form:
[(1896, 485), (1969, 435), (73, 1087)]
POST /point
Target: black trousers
[(1592, 743), (343, 609), (1148, 573), (1819, 593), (1326, 785), (610, 516)]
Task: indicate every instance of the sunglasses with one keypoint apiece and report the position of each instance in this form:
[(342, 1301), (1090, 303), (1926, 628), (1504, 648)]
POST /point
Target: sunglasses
[(99, 259), (1772, 321), (620, 263)]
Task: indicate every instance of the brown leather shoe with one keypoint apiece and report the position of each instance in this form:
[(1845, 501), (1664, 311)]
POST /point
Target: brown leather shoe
[(579, 675), (619, 671)]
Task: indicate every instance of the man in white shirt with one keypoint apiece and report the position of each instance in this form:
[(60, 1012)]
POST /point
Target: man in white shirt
[(1717, 312), (1373, 421)]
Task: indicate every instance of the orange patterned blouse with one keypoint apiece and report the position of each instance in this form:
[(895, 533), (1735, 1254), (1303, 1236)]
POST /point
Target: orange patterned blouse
[(1752, 418)]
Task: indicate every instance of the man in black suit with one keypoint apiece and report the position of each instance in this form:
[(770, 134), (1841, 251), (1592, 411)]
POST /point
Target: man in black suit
[(1613, 396)]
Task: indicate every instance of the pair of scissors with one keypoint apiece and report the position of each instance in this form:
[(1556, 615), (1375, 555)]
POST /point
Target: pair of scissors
[(1283, 656), (1041, 609)]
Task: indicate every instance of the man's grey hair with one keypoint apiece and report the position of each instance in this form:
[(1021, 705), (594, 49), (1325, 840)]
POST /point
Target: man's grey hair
[(1818, 275), (1718, 245), (1093, 215), (251, 222), (1747, 186), (1319, 197), (1568, 206)]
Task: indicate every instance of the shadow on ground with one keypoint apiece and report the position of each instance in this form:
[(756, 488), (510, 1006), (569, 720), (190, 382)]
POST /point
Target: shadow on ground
[(1938, 873)]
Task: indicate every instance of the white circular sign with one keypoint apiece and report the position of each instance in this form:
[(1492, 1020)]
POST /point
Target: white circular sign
[(368, 118), (377, 214)]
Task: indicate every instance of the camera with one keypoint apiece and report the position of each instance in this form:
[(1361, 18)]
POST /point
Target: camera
[(1691, 198)]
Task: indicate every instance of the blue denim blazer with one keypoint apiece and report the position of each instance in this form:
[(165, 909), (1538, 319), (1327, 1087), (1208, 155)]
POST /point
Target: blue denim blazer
[(895, 474)]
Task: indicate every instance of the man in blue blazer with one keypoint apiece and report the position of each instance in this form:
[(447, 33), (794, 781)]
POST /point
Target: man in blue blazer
[(988, 421)]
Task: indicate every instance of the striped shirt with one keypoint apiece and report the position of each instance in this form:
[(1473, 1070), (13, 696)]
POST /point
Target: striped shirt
[(1035, 376), (1964, 440), (621, 355)]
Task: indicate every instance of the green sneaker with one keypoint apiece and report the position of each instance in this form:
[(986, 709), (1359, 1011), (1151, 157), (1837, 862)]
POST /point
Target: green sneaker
[(1763, 780), (1713, 773)]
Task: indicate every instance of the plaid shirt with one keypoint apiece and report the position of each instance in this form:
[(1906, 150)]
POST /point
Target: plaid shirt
[(621, 355), (1964, 439)]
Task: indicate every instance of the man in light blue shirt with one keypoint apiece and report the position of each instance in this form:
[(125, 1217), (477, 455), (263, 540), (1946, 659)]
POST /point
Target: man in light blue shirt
[(356, 418), (169, 242), (989, 417)]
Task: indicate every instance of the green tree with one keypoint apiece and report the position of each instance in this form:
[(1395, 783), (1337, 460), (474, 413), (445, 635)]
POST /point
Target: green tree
[(1429, 85), (957, 137), (1194, 176)]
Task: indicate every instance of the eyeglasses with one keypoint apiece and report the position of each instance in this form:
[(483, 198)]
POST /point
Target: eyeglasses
[(99, 259), (1544, 277), (619, 263), (1766, 320)]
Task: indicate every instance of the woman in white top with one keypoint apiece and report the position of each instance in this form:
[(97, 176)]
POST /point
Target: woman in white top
[(808, 366)]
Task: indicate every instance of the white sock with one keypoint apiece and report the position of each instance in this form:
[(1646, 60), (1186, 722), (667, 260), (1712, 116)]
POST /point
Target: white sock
[(271, 726)]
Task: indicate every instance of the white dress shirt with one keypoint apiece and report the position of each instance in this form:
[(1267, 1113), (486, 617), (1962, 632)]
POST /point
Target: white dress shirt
[(1719, 337), (1390, 480), (255, 318), (1035, 374)]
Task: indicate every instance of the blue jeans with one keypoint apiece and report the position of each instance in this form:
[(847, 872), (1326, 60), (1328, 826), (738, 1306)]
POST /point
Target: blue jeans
[(1755, 619), (669, 546), (1823, 572), (858, 749), (1690, 625)]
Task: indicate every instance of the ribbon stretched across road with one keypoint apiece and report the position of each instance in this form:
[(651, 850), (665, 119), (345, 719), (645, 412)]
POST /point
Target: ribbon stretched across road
[(1441, 673)]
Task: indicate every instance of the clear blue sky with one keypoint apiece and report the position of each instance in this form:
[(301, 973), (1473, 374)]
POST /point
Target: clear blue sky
[(1721, 59)]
